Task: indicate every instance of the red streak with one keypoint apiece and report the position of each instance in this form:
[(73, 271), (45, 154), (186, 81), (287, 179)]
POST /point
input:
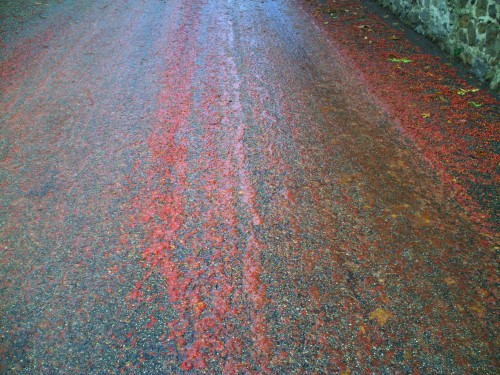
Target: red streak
[(204, 287)]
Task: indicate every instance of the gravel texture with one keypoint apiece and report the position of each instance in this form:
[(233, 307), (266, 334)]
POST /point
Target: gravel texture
[(208, 187)]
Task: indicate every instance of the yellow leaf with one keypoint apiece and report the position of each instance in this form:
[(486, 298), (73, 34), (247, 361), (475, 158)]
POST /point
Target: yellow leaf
[(449, 281), (423, 219), (463, 92), (426, 115), (480, 310), (381, 316)]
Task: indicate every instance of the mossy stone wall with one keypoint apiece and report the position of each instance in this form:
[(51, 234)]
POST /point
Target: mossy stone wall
[(467, 29)]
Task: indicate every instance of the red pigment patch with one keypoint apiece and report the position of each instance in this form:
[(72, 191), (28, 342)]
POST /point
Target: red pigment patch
[(16, 67), (252, 270), (195, 243), (161, 209), (454, 125)]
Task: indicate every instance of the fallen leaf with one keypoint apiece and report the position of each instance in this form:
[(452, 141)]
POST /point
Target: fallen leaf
[(366, 27), (199, 307), (483, 292), (315, 293), (426, 115), (403, 60), (480, 310), (394, 37), (449, 281), (408, 355), (463, 92), (423, 219), (381, 316), (475, 104)]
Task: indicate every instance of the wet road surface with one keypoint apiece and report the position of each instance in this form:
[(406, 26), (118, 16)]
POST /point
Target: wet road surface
[(207, 187)]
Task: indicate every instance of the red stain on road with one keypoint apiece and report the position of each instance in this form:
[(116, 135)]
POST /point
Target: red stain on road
[(453, 124), (15, 69), (196, 262)]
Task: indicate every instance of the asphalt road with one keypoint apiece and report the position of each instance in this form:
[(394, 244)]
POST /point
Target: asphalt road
[(207, 187)]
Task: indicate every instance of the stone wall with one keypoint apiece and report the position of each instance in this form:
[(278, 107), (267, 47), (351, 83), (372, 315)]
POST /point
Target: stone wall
[(466, 29)]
